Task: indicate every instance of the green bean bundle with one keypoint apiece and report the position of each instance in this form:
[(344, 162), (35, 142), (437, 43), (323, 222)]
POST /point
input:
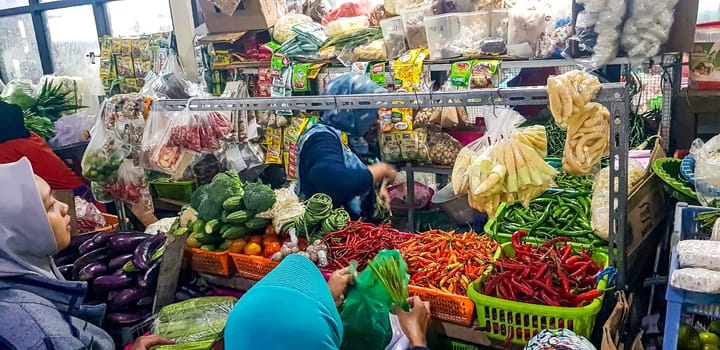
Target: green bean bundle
[(336, 220), (318, 208)]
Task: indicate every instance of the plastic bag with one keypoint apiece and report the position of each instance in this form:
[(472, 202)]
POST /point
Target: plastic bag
[(346, 25), (554, 39), (648, 27), (19, 92), (283, 29), (125, 114), (697, 253), (316, 9), (205, 168), (157, 152), (587, 140), (194, 319), (460, 178), (103, 155), (442, 147), (600, 204), (696, 280), (131, 186), (71, 129), (348, 9), (88, 216), (372, 51), (707, 170), (398, 196), (184, 132), (597, 30), (215, 128), (365, 312)]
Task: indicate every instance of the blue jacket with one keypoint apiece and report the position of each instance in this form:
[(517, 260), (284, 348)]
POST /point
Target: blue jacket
[(42, 313)]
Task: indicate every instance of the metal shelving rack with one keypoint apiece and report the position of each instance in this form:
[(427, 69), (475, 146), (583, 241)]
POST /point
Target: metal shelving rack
[(614, 96)]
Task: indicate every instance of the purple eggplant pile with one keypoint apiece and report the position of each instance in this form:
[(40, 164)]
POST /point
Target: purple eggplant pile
[(121, 269)]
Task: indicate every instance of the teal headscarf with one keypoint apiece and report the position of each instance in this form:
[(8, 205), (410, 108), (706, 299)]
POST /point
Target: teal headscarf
[(291, 308)]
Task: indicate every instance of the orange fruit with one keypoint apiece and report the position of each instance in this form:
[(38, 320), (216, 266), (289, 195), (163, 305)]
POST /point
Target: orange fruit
[(252, 249), (271, 248), (270, 230), (237, 246), (256, 239)]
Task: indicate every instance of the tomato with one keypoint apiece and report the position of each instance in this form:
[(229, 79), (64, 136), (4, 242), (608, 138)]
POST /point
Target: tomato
[(267, 238), (271, 248), (270, 230), (256, 239), (252, 249), (237, 246)]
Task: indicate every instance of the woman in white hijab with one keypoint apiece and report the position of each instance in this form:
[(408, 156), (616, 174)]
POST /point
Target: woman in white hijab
[(40, 309)]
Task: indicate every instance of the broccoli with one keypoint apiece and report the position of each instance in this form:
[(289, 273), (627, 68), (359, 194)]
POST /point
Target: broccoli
[(258, 197), (208, 199)]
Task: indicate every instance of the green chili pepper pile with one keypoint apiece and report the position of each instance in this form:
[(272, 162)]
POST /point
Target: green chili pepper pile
[(706, 221), (551, 215), (582, 183)]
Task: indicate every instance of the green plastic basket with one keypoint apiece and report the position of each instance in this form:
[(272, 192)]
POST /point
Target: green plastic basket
[(180, 191), (500, 318)]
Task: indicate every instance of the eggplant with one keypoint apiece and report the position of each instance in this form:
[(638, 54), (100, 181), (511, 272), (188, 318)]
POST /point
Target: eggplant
[(181, 296), (150, 277), (100, 254), (65, 257), (127, 298), (143, 253), (112, 294), (76, 241), (97, 241), (120, 260), (104, 284), (125, 242), (65, 270), (128, 318), (92, 270), (146, 301)]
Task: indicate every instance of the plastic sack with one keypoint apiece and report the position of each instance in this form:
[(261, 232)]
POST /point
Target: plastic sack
[(459, 177), (600, 204), (443, 148), (648, 27), (346, 25), (283, 29), (103, 155), (398, 196), (131, 186), (316, 9), (365, 312), (205, 168), (184, 132), (697, 253), (88, 216), (194, 319), (696, 280), (71, 129), (554, 39), (587, 140), (707, 170), (372, 51), (125, 115)]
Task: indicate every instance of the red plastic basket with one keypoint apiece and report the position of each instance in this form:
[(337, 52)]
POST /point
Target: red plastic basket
[(445, 306), (252, 267), (211, 262)]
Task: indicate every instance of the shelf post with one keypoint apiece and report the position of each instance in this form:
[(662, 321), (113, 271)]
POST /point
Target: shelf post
[(618, 198)]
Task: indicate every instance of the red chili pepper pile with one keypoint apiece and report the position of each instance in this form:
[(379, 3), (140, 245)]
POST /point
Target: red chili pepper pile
[(446, 261), (360, 241), (551, 274)]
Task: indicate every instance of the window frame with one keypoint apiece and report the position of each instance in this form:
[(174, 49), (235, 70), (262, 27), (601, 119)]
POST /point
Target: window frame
[(36, 9)]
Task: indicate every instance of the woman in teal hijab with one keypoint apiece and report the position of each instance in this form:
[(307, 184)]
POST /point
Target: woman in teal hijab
[(294, 308)]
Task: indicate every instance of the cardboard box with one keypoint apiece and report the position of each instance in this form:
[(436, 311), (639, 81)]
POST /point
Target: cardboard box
[(251, 15)]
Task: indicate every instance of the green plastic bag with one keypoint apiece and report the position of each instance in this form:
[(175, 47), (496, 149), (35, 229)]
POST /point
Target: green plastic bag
[(365, 313)]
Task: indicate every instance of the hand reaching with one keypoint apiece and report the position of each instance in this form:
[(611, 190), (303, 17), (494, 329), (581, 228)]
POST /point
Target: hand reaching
[(415, 323), (146, 342), (338, 282)]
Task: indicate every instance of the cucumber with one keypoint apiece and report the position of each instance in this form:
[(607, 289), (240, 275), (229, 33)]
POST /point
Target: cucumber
[(212, 226), (237, 217), (198, 226), (233, 203), (257, 223), (236, 231)]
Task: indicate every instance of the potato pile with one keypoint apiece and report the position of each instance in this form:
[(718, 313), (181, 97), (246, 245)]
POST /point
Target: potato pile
[(587, 123)]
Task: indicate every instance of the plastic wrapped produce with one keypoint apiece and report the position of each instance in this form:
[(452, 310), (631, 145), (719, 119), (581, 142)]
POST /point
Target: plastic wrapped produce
[(440, 31), (283, 29), (103, 155), (346, 25), (696, 280), (553, 41), (648, 27), (194, 320), (442, 147), (394, 36), (600, 204), (378, 14), (347, 9), (413, 22), (71, 129), (316, 9), (707, 170), (372, 51), (696, 253)]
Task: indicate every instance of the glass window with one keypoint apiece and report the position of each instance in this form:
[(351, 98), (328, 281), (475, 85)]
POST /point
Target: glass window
[(8, 4), (72, 35), (126, 20), (19, 58)]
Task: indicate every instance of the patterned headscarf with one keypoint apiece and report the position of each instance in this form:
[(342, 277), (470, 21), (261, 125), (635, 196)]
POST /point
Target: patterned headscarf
[(355, 122), (559, 339)]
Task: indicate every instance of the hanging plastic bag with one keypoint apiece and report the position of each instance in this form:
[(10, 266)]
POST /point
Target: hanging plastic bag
[(460, 179), (707, 170), (71, 129), (377, 290), (647, 28), (184, 132), (157, 151), (194, 320), (442, 147), (131, 186), (215, 128), (103, 155), (600, 203), (88, 216), (597, 30), (205, 168), (125, 115)]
